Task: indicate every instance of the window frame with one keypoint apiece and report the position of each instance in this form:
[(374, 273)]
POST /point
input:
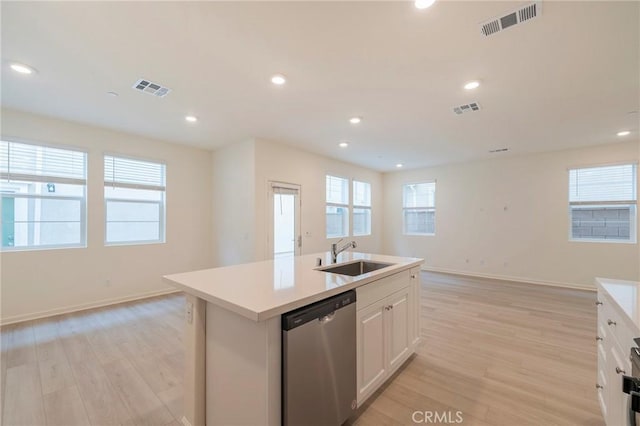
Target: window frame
[(44, 179), (427, 208), (162, 203), (633, 207), (355, 206), (331, 204)]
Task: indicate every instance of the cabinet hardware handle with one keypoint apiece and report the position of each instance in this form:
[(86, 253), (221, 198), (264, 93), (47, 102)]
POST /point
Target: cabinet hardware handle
[(598, 303), (598, 338), (611, 322), (413, 276), (598, 386), (620, 371)]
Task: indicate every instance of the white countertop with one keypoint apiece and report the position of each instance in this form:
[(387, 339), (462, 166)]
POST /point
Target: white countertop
[(262, 290), (626, 294)]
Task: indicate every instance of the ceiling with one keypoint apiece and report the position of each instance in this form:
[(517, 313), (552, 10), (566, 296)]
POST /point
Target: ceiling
[(567, 79)]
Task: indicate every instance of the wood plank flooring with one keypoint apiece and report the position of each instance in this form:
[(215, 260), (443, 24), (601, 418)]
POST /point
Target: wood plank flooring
[(118, 365), (499, 353)]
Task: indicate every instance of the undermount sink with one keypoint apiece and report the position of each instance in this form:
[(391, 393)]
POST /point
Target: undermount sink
[(355, 268)]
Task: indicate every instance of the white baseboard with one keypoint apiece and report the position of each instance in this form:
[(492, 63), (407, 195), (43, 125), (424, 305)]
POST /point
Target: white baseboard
[(84, 306), (509, 278)]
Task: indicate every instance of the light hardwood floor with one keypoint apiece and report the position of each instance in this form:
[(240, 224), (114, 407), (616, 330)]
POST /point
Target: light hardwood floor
[(500, 353), (118, 365)]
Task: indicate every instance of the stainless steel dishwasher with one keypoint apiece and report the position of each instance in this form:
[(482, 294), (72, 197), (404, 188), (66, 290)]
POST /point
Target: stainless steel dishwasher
[(319, 362)]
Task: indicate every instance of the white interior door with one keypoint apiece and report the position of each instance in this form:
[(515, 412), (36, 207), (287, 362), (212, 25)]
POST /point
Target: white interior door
[(285, 237)]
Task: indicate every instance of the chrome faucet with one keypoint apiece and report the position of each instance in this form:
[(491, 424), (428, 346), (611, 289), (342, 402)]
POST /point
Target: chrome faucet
[(335, 251)]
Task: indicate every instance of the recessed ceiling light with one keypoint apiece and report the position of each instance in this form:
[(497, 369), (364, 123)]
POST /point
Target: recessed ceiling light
[(472, 85), (624, 133), (399, 165), (355, 120), (191, 118), (21, 68), (423, 4), (278, 79), (343, 144)]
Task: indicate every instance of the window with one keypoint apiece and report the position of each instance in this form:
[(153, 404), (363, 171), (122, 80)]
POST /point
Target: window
[(602, 203), (134, 198), (361, 208), (419, 208), (42, 196), (337, 207)]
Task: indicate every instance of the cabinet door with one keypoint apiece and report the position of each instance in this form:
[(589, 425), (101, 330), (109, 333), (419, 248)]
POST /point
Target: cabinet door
[(370, 348), (397, 313), (617, 405)]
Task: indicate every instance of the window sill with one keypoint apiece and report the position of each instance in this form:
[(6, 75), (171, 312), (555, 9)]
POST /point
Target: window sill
[(45, 248), (133, 243), (588, 240)]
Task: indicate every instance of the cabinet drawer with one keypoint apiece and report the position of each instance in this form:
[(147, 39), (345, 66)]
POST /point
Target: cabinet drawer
[(378, 290), (612, 326)]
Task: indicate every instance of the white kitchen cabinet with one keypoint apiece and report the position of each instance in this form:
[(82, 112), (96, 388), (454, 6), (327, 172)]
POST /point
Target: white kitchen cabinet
[(614, 341), (398, 322), (371, 362), (387, 329)]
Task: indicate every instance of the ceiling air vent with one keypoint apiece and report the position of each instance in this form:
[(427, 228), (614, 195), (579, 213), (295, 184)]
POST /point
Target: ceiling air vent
[(151, 88), (514, 17), (473, 106), (493, 151)]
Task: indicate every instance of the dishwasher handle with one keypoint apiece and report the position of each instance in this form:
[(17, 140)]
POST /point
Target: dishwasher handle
[(323, 311), (327, 318)]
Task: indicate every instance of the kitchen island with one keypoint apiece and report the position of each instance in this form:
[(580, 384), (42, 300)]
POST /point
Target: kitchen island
[(233, 329), (618, 325)]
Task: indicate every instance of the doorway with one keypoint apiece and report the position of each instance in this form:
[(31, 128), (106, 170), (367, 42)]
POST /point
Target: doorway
[(285, 238)]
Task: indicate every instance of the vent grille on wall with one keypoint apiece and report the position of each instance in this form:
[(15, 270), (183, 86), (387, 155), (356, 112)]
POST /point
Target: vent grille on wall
[(493, 151), (518, 16), (474, 106), (151, 88)]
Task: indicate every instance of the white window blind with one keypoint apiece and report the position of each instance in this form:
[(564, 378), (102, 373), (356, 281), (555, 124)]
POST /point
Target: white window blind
[(361, 208), (42, 196), (129, 173), (419, 195), (134, 193), (337, 209), (607, 184), (418, 208), (337, 190), (603, 203), (36, 163), (361, 194)]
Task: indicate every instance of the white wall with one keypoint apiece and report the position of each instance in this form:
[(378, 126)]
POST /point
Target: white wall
[(241, 175), (37, 283), (508, 218), (282, 163), (233, 180)]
